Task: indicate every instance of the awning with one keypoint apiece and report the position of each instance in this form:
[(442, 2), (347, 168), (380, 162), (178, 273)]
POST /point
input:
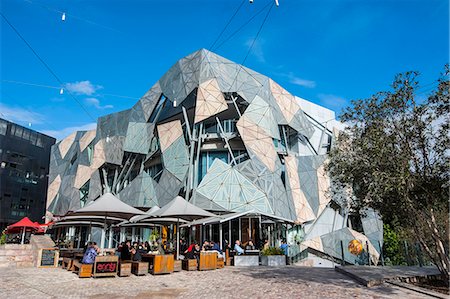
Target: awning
[(179, 208), (227, 217), (110, 206), (23, 223)]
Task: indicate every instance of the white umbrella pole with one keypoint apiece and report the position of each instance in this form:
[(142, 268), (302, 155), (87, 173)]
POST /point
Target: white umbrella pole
[(23, 236), (178, 238)]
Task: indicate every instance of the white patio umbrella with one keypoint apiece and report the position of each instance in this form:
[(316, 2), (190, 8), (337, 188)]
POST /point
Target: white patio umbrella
[(180, 209), (108, 207)]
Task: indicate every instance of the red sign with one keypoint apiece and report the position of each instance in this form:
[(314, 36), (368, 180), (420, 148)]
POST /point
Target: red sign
[(106, 267)]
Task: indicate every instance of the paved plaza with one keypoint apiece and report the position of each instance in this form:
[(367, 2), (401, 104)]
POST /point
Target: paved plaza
[(260, 282)]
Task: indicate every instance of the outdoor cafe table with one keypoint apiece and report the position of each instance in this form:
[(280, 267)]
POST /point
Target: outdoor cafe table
[(159, 263)]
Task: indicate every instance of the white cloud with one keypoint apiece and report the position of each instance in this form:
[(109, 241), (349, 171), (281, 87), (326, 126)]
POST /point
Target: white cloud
[(82, 87), (293, 79), (332, 101), (302, 82), (96, 103), (257, 50), (20, 115), (63, 133)]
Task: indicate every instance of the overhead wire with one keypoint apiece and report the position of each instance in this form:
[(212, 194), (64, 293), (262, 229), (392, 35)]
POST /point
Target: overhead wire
[(242, 26), (64, 14), (46, 65), (228, 23), (65, 88), (259, 31)]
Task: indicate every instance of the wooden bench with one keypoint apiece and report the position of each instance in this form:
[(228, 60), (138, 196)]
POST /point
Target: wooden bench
[(83, 270), (106, 266), (159, 263), (124, 268), (67, 263), (139, 268), (207, 260), (220, 263), (177, 266), (189, 265)]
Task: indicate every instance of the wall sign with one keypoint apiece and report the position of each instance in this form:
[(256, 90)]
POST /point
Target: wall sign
[(48, 258)]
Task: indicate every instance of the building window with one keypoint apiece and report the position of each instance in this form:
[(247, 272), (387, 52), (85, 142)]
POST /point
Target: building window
[(84, 193), (155, 113), (90, 151), (3, 127)]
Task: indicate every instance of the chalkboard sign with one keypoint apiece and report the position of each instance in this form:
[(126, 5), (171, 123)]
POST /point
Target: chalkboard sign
[(105, 267), (48, 258)]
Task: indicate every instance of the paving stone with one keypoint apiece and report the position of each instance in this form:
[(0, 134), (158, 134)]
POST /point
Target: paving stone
[(229, 282)]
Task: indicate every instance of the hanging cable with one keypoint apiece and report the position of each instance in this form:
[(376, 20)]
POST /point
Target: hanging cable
[(226, 26), (257, 34), (62, 89), (242, 26), (46, 66)]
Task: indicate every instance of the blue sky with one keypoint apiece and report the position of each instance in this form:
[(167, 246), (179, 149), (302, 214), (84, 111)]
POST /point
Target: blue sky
[(326, 51)]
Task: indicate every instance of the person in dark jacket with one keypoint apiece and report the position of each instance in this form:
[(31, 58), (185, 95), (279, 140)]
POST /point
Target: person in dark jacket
[(125, 254)]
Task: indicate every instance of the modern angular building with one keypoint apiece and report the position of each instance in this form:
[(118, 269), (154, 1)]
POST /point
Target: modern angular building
[(224, 137), (24, 166)]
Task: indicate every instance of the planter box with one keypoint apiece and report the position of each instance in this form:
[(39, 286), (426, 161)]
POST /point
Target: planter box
[(246, 260), (273, 260)]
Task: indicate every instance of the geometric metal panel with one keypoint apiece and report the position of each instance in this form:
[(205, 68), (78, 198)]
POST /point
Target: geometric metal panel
[(87, 139), (168, 133), (257, 142), (228, 188), (210, 100), (176, 159), (302, 207), (66, 143)]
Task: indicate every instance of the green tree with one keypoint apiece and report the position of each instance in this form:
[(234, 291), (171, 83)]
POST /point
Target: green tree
[(394, 156)]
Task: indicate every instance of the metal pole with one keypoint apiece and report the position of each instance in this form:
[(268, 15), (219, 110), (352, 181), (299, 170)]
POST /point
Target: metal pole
[(342, 254), (110, 239), (368, 253), (178, 238), (240, 229), (220, 236), (23, 236), (381, 252), (102, 240), (229, 233)]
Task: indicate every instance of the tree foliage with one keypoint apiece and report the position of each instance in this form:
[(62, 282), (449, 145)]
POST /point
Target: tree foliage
[(394, 156)]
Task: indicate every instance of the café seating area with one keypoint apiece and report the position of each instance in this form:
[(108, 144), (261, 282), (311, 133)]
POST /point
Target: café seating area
[(109, 265)]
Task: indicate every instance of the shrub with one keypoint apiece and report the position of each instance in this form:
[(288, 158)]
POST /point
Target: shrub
[(272, 251)]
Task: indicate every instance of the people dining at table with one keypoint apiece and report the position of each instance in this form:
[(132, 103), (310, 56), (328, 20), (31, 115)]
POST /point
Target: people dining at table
[(237, 247), (125, 254), (250, 245), (206, 246), (90, 254)]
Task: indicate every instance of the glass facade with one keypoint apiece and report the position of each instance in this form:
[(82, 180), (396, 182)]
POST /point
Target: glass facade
[(24, 166)]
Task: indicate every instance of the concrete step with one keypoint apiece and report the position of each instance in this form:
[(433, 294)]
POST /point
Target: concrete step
[(24, 258), (24, 264)]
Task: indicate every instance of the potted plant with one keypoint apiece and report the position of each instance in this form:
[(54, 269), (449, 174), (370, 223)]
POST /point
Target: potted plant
[(273, 256)]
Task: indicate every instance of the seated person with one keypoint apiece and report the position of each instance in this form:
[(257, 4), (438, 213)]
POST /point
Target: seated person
[(90, 254), (250, 245), (206, 246), (193, 252), (285, 247), (125, 254), (215, 246), (137, 253), (238, 248)]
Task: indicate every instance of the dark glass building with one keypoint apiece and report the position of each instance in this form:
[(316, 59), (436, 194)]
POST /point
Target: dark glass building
[(24, 165)]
